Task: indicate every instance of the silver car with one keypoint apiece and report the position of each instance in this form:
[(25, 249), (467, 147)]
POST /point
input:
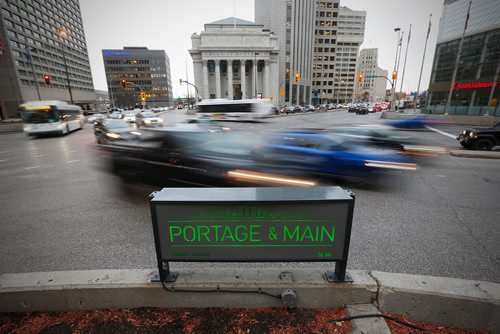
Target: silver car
[(148, 119)]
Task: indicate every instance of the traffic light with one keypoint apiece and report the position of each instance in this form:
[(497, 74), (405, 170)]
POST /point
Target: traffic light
[(297, 77), (124, 83), (46, 77), (394, 75), (360, 78), (180, 81), (143, 95)]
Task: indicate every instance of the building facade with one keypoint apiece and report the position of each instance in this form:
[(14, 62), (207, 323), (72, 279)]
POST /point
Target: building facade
[(372, 89), (41, 38), (325, 78), (144, 70), (476, 89), (235, 59), (350, 35), (292, 21)]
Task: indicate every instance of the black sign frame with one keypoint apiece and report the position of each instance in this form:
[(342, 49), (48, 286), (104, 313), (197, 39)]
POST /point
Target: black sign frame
[(339, 275)]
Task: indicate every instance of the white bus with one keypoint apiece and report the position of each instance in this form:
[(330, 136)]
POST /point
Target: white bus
[(51, 117), (234, 109)]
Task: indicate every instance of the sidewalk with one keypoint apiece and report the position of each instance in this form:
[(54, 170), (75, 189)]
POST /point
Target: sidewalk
[(11, 125)]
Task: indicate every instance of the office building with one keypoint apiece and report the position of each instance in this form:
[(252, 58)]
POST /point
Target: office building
[(476, 89), (325, 78), (145, 71), (350, 35), (39, 38), (235, 59), (292, 21), (372, 88)]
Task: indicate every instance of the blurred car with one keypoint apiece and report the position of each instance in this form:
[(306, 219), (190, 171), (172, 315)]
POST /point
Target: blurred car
[(130, 116), (208, 124), (310, 108), (290, 109), (95, 117), (483, 139), (275, 110), (379, 136), (329, 155), (148, 119), (116, 114), (110, 130), (362, 110), (352, 108)]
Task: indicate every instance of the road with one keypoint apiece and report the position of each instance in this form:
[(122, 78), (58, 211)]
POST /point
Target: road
[(61, 210)]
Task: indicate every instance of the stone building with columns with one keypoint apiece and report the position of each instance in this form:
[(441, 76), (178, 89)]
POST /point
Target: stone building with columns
[(235, 59)]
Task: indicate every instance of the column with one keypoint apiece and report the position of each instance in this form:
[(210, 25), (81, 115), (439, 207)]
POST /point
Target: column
[(254, 79), (230, 79), (206, 90), (217, 79), (243, 79), (267, 83)]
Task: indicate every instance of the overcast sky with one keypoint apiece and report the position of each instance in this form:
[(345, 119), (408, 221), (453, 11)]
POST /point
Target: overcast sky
[(168, 25)]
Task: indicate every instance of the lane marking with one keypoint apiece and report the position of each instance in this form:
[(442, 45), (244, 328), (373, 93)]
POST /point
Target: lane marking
[(37, 156), (71, 161), (441, 132), (71, 151), (4, 160), (1, 152), (32, 167)]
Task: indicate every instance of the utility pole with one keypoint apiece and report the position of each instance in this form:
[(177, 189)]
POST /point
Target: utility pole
[(423, 60)]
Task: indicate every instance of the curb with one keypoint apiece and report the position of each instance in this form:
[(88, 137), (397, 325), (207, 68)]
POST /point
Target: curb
[(476, 154), (455, 302), (11, 127)]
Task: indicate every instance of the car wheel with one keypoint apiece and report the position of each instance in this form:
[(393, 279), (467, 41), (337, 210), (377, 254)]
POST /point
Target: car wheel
[(484, 145)]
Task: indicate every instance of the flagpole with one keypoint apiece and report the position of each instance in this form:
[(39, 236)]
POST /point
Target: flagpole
[(397, 68), (423, 60), (406, 55), (393, 88), (457, 61)]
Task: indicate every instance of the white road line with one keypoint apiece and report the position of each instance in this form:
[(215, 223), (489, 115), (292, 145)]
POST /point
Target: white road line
[(441, 132), (32, 167), (5, 160), (1, 152), (71, 151), (71, 161), (37, 156)]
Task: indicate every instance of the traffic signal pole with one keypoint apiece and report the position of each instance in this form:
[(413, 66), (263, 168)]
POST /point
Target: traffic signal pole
[(143, 99)]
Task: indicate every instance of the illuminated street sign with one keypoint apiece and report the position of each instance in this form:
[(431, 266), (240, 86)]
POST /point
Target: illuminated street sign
[(252, 224)]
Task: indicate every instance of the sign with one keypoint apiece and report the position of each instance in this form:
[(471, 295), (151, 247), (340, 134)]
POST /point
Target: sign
[(282, 91), (108, 53), (371, 76), (282, 224), (474, 85)]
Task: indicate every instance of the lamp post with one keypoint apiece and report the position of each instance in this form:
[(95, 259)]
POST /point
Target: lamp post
[(398, 30), (63, 34)]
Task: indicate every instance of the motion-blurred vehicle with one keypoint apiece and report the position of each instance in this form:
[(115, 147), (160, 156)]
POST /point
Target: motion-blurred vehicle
[(379, 136), (92, 118), (362, 109), (329, 155), (116, 115), (244, 110), (483, 139), (208, 124), (148, 119), (310, 108), (110, 130), (352, 108)]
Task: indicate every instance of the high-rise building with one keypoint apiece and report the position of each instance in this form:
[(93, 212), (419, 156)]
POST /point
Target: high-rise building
[(476, 88), (350, 35), (43, 44), (146, 72), (374, 83), (325, 79), (292, 21)]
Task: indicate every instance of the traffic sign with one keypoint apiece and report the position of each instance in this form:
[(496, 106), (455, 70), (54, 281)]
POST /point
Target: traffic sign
[(371, 76)]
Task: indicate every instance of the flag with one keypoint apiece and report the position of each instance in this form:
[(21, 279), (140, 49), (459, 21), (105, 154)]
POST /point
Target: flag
[(429, 30), (1, 48)]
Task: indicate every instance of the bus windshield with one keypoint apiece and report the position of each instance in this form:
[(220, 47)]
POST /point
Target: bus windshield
[(37, 116)]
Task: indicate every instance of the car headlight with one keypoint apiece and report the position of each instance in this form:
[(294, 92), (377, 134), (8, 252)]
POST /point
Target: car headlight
[(160, 120), (472, 135), (464, 132), (137, 133), (113, 135), (147, 121)]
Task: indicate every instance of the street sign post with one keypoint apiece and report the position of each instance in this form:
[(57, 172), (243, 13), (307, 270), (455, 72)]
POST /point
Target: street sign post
[(271, 224)]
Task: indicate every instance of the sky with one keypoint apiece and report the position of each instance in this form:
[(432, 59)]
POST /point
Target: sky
[(169, 24)]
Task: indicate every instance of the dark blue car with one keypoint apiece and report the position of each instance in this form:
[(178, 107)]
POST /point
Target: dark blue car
[(328, 154)]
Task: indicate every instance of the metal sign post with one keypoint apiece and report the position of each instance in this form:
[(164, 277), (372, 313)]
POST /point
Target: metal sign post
[(275, 224)]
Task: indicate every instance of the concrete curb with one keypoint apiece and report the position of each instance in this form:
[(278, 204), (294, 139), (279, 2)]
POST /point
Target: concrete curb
[(11, 127), (448, 301), (476, 154)]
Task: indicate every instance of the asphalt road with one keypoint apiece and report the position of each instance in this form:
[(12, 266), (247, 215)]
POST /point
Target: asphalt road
[(61, 210)]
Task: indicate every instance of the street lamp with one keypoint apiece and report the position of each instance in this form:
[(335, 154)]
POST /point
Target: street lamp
[(398, 30), (63, 35)]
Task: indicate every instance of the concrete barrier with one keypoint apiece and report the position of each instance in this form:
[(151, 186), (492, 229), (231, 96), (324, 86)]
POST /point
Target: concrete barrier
[(466, 304), (483, 121)]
